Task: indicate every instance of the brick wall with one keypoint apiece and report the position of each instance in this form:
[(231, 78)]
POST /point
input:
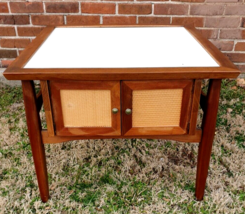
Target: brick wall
[(221, 21)]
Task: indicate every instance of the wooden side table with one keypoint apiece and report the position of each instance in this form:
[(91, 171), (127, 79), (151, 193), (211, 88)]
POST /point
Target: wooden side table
[(121, 82)]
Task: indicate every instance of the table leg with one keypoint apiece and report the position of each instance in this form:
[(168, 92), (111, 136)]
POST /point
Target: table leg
[(208, 126), (34, 131)]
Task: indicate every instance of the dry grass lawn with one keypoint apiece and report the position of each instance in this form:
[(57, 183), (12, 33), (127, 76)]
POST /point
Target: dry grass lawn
[(123, 176)]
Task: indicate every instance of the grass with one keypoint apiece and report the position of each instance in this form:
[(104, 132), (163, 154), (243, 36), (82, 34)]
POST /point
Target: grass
[(9, 96), (240, 139), (123, 176), (230, 99)]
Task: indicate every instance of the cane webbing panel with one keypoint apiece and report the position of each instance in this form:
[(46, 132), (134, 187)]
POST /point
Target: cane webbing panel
[(156, 108), (86, 108)]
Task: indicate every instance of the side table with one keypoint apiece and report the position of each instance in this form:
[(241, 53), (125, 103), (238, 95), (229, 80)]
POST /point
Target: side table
[(121, 82)]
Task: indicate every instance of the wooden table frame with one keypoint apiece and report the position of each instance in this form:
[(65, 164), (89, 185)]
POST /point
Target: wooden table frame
[(209, 103)]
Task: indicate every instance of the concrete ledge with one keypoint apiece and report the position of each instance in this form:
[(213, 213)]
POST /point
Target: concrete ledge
[(8, 82), (241, 75)]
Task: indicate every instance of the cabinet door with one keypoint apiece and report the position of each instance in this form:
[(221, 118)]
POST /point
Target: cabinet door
[(156, 107), (85, 107)]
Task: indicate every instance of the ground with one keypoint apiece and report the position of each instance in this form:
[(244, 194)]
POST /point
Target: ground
[(124, 176)]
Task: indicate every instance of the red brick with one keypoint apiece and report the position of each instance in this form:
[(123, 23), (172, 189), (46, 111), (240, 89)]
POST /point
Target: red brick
[(102, 8), (232, 34), (235, 10), (83, 20), (26, 7), (119, 20), (134, 8), (240, 46), (223, 45), (194, 21), (47, 20), (4, 7), (171, 9), (243, 22), (6, 63), (222, 22), (117, 1), (241, 68), (209, 34), (29, 31), (8, 53), (21, 19), (151, 20), (222, 1), (14, 19), (62, 7), (154, 0), (7, 31), (236, 57), (207, 10), (14, 43), (194, 1)]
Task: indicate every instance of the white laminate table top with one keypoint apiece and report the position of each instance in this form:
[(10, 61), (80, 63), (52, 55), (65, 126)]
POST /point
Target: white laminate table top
[(120, 47)]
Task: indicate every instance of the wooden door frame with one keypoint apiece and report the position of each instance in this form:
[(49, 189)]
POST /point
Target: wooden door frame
[(61, 130), (127, 88)]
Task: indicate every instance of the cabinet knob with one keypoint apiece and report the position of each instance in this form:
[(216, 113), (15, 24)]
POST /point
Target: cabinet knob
[(114, 110), (128, 111)]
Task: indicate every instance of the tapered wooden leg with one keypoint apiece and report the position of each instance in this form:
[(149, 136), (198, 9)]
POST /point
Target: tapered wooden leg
[(34, 131), (208, 126)]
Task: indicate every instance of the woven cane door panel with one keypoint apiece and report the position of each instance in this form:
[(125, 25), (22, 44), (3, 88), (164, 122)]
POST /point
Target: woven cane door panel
[(86, 108), (156, 108)]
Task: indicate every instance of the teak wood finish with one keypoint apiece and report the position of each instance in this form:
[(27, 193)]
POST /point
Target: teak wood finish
[(196, 138), (208, 126), (61, 130), (17, 72), (195, 106), (47, 107), (129, 86), (188, 78), (34, 132)]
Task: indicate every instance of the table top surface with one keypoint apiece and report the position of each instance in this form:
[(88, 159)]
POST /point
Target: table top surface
[(135, 52), (127, 47)]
